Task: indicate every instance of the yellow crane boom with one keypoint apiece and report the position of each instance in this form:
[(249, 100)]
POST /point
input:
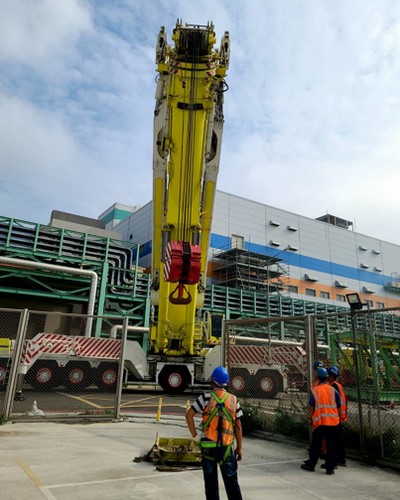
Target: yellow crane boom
[(188, 123)]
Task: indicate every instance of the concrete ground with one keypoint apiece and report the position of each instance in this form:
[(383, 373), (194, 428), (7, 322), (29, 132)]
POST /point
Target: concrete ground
[(84, 461)]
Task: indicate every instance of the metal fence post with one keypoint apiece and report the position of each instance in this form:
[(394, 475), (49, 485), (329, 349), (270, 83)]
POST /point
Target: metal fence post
[(358, 382), (311, 352), (224, 343), (310, 349), (375, 379), (124, 337), (18, 347)]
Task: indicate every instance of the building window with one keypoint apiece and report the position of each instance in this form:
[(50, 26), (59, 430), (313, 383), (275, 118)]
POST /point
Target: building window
[(293, 289), (341, 298), (369, 303), (311, 292), (237, 241), (324, 295), (380, 305)]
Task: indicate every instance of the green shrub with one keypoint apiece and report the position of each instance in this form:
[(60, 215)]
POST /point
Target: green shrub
[(391, 443), (293, 425), (253, 418)]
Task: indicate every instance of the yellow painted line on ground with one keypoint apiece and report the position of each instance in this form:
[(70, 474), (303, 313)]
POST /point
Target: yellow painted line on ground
[(127, 404), (35, 479), (83, 400), (149, 405), (137, 401)]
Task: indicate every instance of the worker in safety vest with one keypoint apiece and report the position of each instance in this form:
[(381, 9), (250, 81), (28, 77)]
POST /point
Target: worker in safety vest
[(316, 365), (334, 373), (324, 417), (221, 425)]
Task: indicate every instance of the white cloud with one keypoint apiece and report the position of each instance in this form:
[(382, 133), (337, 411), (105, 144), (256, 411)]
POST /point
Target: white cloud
[(34, 32)]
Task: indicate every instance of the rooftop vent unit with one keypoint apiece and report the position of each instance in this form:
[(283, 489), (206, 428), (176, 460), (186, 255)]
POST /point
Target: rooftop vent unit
[(335, 221)]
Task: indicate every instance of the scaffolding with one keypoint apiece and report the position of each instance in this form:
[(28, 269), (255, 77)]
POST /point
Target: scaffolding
[(246, 270)]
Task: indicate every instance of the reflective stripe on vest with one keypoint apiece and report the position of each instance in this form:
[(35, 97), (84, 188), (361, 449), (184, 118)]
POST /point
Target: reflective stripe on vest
[(343, 400), (325, 410), (212, 416)]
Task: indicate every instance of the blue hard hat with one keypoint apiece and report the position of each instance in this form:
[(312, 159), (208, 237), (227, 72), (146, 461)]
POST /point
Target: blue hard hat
[(322, 373), (332, 370), (220, 376), (318, 364)]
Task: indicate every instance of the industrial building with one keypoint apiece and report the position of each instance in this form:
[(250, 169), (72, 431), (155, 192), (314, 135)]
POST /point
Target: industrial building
[(258, 247)]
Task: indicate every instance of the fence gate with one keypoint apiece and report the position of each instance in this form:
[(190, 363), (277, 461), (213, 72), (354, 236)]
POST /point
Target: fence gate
[(66, 372)]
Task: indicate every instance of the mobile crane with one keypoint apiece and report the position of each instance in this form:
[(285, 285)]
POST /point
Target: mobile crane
[(188, 126)]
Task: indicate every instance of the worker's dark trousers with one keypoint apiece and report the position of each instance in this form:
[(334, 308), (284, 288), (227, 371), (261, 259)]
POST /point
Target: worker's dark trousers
[(341, 454), (331, 434), (210, 460)]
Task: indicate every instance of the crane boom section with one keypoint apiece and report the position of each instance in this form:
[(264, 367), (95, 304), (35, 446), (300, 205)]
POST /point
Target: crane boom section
[(188, 126)]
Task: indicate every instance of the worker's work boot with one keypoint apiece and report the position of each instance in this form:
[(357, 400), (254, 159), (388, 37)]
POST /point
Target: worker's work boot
[(308, 467), (323, 466)]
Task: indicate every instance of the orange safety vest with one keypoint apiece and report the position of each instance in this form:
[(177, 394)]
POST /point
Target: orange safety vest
[(325, 410), (343, 400), (219, 417)]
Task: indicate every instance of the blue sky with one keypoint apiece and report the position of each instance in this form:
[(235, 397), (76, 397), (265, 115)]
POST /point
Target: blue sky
[(312, 115)]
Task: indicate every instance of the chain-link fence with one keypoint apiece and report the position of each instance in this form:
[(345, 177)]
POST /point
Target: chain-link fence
[(271, 361), (267, 362), (52, 364), (367, 354), (56, 364)]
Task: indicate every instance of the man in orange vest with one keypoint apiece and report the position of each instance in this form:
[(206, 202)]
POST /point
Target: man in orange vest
[(221, 425), (324, 417), (334, 373)]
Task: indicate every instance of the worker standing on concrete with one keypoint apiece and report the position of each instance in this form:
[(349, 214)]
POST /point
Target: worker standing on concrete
[(334, 373), (324, 417), (221, 425)]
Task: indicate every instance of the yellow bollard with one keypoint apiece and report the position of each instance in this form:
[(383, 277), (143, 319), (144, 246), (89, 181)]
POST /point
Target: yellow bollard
[(158, 418)]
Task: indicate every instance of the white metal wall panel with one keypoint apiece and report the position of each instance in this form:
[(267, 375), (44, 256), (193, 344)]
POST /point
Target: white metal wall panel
[(322, 245)]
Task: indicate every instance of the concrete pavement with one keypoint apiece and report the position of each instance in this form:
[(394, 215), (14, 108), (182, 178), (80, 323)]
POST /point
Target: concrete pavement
[(85, 461)]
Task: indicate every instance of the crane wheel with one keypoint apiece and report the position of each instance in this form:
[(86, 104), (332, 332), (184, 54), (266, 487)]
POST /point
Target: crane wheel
[(174, 379), (44, 375), (268, 383), (78, 375), (239, 382), (106, 377)]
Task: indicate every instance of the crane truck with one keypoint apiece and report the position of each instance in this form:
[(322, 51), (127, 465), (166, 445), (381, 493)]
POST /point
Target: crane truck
[(188, 124)]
